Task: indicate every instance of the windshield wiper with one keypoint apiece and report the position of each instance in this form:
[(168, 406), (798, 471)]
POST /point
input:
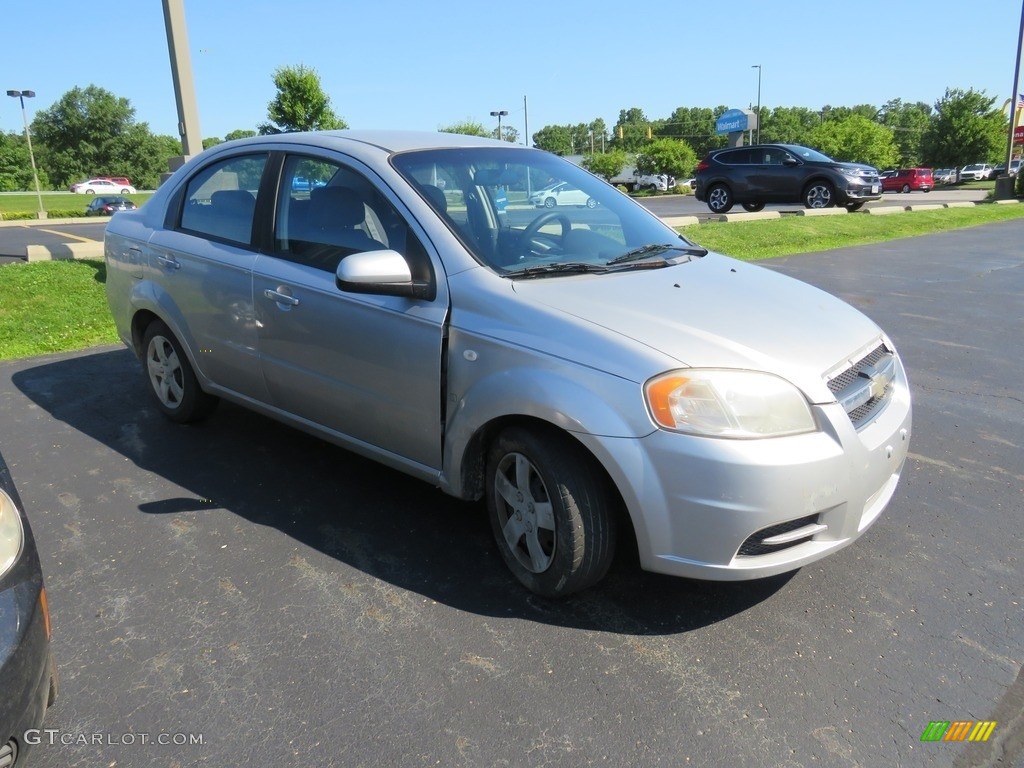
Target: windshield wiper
[(654, 249), (563, 268)]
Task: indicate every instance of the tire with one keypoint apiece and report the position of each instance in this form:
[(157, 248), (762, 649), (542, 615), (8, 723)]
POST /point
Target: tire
[(90, 191), (550, 511), (855, 206), (591, 202), (753, 207), (906, 189), (720, 199), (550, 202), (819, 194), (125, 192), (172, 382)]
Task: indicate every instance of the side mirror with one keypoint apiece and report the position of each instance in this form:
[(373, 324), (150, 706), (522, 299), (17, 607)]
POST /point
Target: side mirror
[(384, 273), (790, 162)]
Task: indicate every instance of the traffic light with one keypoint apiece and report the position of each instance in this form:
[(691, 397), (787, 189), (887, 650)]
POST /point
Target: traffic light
[(620, 131), (649, 132)]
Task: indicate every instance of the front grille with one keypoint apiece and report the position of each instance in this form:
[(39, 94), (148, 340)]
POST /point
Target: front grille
[(855, 384), (753, 546)]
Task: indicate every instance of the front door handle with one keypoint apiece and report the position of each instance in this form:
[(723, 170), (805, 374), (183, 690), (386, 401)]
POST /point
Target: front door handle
[(281, 298)]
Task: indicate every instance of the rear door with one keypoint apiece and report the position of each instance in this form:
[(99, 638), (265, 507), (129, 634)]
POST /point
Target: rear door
[(364, 366), (201, 267)]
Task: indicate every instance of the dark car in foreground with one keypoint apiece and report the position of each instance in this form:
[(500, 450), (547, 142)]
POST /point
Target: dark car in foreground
[(104, 205), (28, 677), (782, 173), (578, 369)]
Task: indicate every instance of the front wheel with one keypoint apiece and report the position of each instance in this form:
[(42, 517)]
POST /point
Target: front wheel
[(171, 379), (550, 511), (125, 191), (820, 194), (549, 202), (591, 202), (719, 199), (753, 207), (906, 189)]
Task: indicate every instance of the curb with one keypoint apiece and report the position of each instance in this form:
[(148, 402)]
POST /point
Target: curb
[(745, 216)]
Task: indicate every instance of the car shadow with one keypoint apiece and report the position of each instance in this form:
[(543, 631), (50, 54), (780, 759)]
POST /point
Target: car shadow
[(388, 525)]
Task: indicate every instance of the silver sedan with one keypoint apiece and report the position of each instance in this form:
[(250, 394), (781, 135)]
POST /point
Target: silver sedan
[(591, 375)]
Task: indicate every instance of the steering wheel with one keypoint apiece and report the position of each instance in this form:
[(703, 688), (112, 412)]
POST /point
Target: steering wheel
[(532, 233)]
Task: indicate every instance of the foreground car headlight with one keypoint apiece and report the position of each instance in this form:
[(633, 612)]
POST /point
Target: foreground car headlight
[(727, 403), (11, 534)]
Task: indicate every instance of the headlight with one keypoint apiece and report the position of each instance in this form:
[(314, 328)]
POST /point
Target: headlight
[(10, 533), (727, 403)]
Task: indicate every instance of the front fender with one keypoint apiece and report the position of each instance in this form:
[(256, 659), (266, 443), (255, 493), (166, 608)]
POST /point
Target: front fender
[(578, 400)]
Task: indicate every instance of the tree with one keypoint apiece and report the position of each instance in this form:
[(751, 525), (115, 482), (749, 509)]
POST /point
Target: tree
[(16, 166), (555, 139), (788, 125), (606, 164), (967, 128), (908, 123), (300, 103), (90, 131), (239, 133), (856, 139), (630, 131), (668, 157), (212, 141), (467, 128)]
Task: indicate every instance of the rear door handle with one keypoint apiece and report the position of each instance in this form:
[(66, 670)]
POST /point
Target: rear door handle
[(168, 261), (281, 298)]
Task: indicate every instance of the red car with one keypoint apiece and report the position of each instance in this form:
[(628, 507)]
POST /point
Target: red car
[(909, 179)]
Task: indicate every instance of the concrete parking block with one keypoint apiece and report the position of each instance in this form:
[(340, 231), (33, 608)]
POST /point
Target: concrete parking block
[(960, 204), (64, 251), (884, 211), (680, 221), (925, 207), (746, 216), (819, 212), (1012, 201)]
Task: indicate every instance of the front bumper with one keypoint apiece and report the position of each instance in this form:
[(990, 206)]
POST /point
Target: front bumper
[(701, 506), (24, 663)]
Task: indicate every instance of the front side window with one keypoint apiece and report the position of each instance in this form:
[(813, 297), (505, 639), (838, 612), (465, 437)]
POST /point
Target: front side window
[(220, 200), (327, 211)]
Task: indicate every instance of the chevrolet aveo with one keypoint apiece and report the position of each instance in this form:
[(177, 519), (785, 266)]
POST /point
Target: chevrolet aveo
[(587, 371)]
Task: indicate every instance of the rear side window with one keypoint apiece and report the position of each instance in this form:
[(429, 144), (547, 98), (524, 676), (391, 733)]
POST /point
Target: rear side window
[(220, 200), (735, 157)]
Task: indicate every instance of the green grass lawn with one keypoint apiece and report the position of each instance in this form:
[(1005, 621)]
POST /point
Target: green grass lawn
[(55, 306), (796, 234), (29, 202)]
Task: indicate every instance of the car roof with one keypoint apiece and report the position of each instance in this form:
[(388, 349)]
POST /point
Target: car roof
[(389, 141)]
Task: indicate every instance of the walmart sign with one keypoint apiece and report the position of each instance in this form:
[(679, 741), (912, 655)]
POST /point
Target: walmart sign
[(736, 120)]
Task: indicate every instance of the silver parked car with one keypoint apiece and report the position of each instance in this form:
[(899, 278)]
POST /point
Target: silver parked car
[(582, 369)]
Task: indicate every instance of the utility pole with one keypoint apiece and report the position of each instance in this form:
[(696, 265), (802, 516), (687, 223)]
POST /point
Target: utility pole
[(184, 87)]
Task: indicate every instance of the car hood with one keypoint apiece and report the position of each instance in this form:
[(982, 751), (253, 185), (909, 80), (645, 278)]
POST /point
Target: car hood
[(716, 312)]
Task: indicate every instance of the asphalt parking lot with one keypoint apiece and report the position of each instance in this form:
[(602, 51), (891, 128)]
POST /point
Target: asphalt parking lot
[(249, 594)]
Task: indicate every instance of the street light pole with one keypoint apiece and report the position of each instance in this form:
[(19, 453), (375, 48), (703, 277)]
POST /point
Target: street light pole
[(20, 95), (758, 67), (499, 114)]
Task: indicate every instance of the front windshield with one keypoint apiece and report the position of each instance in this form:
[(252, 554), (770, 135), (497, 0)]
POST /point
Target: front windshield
[(525, 212)]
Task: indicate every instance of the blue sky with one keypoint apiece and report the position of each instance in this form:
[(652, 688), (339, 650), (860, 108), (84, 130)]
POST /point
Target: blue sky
[(420, 65)]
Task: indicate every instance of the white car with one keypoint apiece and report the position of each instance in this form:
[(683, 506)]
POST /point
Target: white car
[(103, 187), (562, 193), (976, 172)]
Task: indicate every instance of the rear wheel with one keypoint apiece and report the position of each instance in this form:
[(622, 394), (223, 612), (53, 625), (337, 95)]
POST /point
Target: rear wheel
[(819, 194), (591, 202), (906, 189), (125, 191), (171, 379), (549, 202), (90, 191), (719, 198), (753, 207), (550, 511)]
